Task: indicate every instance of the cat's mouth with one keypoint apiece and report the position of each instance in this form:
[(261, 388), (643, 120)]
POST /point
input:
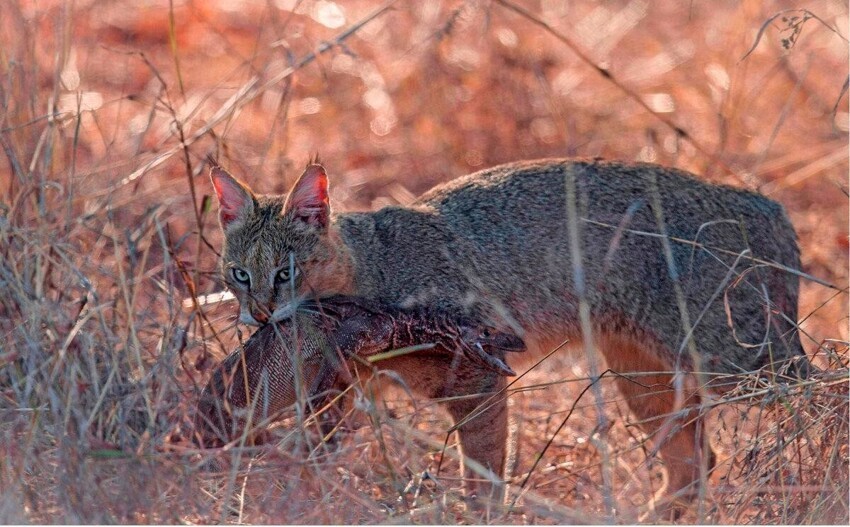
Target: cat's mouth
[(246, 318), (281, 313), (285, 311)]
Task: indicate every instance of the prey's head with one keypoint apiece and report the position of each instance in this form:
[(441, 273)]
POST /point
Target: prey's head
[(278, 250), (488, 346)]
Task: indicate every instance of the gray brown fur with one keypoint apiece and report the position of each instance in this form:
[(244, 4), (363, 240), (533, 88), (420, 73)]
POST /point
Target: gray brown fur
[(496, 243), (500, 236)]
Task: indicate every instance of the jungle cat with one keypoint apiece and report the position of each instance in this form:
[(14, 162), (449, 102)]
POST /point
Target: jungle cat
[(672, 270)]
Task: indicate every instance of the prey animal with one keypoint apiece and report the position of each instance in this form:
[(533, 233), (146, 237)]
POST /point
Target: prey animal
[(436, 354)]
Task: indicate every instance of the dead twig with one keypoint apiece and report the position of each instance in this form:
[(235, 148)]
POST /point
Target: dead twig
[(631, 94)]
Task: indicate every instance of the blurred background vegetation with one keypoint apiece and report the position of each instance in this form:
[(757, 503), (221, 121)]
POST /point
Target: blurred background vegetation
[(109, 109)]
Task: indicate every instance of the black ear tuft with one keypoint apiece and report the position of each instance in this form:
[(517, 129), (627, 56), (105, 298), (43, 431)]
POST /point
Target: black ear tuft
[(212, 161)]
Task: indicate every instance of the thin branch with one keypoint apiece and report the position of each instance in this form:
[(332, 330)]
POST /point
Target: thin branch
[(252, 89), (795, 24), (575, 48)]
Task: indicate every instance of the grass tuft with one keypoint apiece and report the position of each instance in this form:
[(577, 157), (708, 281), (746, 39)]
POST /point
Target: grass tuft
[(110, 110)]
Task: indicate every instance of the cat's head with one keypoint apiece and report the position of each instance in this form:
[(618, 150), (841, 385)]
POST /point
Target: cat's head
[(278, 250)]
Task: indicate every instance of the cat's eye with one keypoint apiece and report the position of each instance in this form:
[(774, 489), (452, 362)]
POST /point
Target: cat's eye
[(241, 275), (284, 275)]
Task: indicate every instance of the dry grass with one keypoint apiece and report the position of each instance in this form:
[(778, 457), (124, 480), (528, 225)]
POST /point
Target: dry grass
[(110, 108)]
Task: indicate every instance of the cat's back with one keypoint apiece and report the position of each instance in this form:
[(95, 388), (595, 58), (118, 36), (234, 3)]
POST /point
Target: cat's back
[(541, 184), (526, 203), (502, 236)]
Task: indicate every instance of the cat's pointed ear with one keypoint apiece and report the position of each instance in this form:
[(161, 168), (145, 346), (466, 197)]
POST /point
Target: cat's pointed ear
[(235, 199), (308, 201)]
